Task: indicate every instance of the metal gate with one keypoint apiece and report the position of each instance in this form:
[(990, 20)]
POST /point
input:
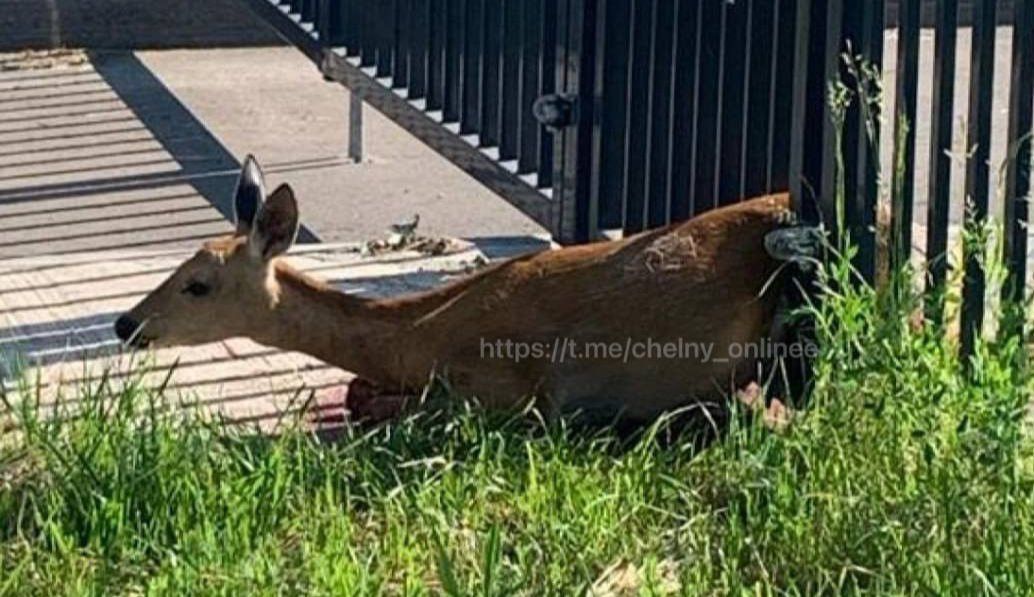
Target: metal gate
[(604, 117), (649, 110)]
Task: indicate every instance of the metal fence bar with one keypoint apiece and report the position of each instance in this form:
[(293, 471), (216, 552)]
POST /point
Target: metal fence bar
[(683, 100), (782, 93), (1021, 128), (470, 119), (981, 87), (455, 25), (491, 73), (939, 190), (385, 31), (531, 72), (638, 110), (662, 58), (762, 56), (420, 50), (330, 22), (403, 30), (436, 56), (547, 85), (575, 72), (510, 112), (905, 124), (351, 25), (367, 33), (708, 81), (732, 96), (863, 35)]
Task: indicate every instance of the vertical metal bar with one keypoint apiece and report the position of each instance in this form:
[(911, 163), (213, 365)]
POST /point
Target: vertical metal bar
[(1021, 128), (491, 73), (681, 177), (386, 34), (782, 93), (638, 121), (863, 30), (735, 61), (353, 38), (328, 22), (547, 85), (454, 27), (470, 121), (596, 98), (308, 11), (978, 175), (903, 168), (368, 33), (436, 61), (355, 127), (531, 131), (939, 191), (565, 227), (762, 56), (419, 49), (705, 147), (614, 79), (509, 137), (576, 58), (400, 69), (659, 127)]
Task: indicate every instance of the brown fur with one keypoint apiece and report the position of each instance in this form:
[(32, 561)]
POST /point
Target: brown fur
[(699, 281)]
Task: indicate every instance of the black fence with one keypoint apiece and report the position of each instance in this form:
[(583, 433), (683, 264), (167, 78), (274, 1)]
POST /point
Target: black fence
[(861, 23), (602, 117), (661, 109)]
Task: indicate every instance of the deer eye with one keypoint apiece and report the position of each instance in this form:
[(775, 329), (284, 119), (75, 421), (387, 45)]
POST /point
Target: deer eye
[(197, 289)]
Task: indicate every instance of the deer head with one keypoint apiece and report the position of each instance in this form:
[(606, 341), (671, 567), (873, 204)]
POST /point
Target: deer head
[(228, 286)]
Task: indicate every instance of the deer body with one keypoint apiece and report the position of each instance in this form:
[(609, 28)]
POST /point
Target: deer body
[(696, 282)]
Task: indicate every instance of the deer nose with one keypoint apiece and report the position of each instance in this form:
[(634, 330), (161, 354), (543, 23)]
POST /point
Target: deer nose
[(125, 328)]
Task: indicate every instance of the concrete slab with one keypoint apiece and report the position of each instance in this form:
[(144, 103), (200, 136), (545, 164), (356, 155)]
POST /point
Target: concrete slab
[(274, 103)]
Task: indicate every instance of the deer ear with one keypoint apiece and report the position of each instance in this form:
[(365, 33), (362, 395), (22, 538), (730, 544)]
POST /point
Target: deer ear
[(247, 199), (276, 224)]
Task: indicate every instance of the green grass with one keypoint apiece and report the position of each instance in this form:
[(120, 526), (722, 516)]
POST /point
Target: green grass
[(905, 474)]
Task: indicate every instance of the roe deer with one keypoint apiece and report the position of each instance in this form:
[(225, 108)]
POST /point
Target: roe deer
[(642, 325)]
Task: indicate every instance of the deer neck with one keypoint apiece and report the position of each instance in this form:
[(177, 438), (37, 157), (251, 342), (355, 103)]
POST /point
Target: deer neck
[(363, 336)]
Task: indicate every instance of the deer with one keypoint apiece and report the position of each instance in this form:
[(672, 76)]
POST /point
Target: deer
[(703, 282)]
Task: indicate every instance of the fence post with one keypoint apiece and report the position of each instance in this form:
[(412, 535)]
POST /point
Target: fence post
[(905, 126), (355, 126), (941, 128), (573, 162)]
